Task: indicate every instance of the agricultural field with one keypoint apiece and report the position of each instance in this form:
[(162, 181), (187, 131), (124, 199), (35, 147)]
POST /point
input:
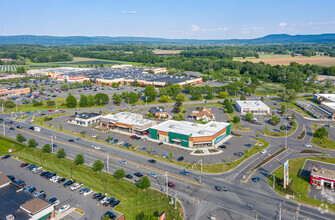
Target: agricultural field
[(287, 59), (166, 52), (8, 68)]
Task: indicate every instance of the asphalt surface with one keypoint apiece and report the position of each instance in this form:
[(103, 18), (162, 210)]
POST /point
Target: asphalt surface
[(241, 201)]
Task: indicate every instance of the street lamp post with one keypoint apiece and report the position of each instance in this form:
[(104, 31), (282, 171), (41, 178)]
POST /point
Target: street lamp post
[(52, 145), (146, 101)]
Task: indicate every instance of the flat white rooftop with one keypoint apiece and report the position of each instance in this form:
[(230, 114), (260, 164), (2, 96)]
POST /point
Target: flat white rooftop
[(190, 128), (252, 104), (127, 118), (329, 104), (330, 97)]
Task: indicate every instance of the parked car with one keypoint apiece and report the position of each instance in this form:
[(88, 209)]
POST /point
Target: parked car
[(308, 145), (129, 176), (69, 183), (21, 183), (256, 179), (240, 154), (39, 194), (165, 155), (24, 164), (31, 166), (138, 174), (76, 186), (44, 173), (61, 180), (94, 135), (11, 177), (71, 140), (99, 198), (87, 192), (115, 203), (30, 189), (143, 149), (64, 208), (223, 146), (123, 161), (160, 143), (221, 188), (54, 201), (19, 126), (154, 152), (37, 170), (248, 145), (110, 214), (5, 157), (95, 195)]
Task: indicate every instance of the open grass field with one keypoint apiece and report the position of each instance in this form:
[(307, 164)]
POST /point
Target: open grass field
[(286, 60), (135, 201), (269, 88), (325, 142), (301, 183), (5, 145)]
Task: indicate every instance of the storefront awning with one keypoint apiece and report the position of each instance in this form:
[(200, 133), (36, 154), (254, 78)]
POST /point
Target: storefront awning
[(176, 140)]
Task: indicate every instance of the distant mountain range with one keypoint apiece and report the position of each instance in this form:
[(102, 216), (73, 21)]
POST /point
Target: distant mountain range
[(82, 40)]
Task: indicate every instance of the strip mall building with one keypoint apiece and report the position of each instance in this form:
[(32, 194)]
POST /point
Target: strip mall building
[(189, 134)]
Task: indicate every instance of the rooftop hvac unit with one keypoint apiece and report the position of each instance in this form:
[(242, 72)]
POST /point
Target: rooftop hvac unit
[(213, 125), (201, 132), (172, 126)]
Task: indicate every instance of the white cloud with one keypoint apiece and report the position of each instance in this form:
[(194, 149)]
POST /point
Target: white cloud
[(195, 27), (130, 12), (282, 24)]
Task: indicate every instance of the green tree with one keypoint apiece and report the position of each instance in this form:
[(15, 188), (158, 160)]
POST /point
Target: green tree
[(283, 108), (32, 142), (274, 120), (83, 100), (209, 95), (120, 173), (243, 97), (293, 116), (222, 95), (321, 132), (20, 137), (164, 99), (9, 104), (249, 116), (236, 119), (83, 133), (98, 165), (150, 93), (71, 101), (180, 98), (90, 100), (101, 99), (79, 159), (61, 153), (170, 155), (117, 98), (282, 127), (329, 83), (60, 126), (262, 98), (196, 95), (46, 148), (144, 183), (288, 95)]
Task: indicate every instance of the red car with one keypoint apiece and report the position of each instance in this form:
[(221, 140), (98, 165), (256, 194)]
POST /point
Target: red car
[(62, 111), (24, 164), (171, 185), (50, 110)]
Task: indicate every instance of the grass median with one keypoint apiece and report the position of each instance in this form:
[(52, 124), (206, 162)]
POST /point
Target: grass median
[(282, 133), (324, 142), (301, 184), (135, 201)]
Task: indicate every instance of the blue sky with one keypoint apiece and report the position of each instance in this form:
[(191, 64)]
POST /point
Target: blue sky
[(192, 19)]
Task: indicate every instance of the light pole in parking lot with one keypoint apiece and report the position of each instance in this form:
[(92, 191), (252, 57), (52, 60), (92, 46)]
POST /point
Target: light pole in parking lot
[(4, 129), (52, 144), (167, 183), (146, 101)]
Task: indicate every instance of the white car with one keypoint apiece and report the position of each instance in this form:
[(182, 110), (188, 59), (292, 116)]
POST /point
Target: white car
[(55, 137), (97, 147), (308, 145), (104, 200), (64, 208), (54, 179), (120, 143), (37, 170), (87, 192), (94, 136), (123, 161), (76, 186), (263, 151), (152, 174), (55, 203)]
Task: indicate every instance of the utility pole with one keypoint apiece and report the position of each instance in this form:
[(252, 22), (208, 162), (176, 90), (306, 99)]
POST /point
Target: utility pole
[(279, 211), (107, 164), (4, 130), (146, 101), (175, 201)]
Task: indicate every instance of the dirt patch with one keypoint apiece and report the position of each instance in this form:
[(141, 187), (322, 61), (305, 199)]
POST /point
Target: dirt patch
[(323, 61), (165, 52)]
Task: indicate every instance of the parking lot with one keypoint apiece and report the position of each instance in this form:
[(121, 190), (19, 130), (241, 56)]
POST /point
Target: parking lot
[(92, 208)]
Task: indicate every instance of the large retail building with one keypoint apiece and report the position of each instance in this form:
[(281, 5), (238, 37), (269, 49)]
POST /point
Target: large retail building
[(254, 107), (189, 134)]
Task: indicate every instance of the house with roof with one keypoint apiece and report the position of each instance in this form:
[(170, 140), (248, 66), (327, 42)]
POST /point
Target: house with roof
[(203, 114), (159, 111)]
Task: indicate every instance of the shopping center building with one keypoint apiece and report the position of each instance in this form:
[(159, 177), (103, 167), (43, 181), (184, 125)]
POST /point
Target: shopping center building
[(254, 107), (190, 134)]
